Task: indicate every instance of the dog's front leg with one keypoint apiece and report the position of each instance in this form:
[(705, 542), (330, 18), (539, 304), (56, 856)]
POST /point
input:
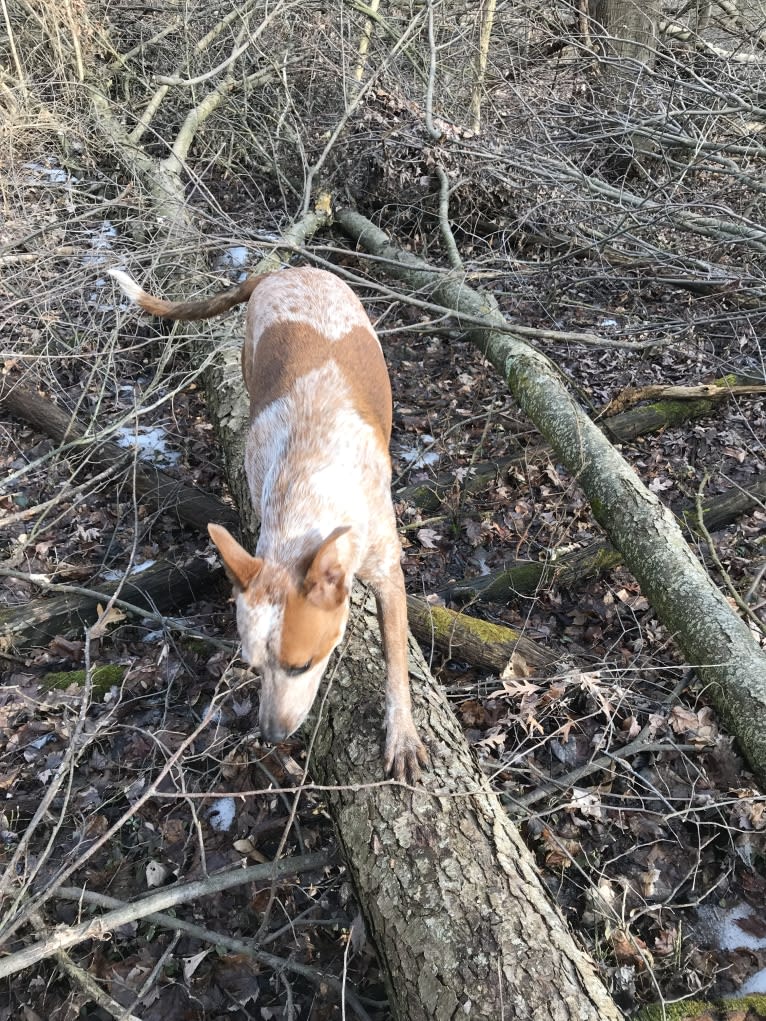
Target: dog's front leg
[(405, 752)]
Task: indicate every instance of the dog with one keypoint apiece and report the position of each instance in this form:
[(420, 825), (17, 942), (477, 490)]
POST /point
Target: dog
[(319, 473)]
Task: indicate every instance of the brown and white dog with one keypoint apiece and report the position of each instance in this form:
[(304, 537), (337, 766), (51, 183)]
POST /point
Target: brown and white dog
[(319, 473)]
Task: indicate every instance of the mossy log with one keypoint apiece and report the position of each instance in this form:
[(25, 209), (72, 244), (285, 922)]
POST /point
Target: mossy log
[(741, 1008), (712, 638), (478, 642), (102, 677)]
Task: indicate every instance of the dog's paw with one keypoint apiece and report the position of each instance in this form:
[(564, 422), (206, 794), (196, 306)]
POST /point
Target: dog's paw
[(405, 754)]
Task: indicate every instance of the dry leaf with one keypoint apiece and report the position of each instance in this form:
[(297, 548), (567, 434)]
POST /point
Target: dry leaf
[(111, 616), (428, 538)]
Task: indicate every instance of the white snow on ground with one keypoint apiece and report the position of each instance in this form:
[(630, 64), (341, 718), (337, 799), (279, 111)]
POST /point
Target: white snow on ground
[(722, 929)]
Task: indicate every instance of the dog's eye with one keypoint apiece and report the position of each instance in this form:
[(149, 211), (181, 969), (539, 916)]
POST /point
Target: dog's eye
[(294, 671)]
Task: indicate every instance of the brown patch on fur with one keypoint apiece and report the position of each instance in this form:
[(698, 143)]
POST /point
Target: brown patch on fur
[(286, 351), (309, 632), (314, 612)]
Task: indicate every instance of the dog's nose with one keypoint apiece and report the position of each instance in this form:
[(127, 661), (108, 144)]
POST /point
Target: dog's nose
[(272, 732)]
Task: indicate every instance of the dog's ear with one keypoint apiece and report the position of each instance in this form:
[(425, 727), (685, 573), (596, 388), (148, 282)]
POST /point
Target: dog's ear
[(325, 584), (240, 566)]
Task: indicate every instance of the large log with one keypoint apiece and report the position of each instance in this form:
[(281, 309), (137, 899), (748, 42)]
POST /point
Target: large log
[(449, 891), (160, 589), (712, 638)]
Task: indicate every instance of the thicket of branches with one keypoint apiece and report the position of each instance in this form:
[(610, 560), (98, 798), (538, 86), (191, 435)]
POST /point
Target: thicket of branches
[(490, 138)]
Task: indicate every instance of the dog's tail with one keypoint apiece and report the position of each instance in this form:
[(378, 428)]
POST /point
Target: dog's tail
[(187, 310)]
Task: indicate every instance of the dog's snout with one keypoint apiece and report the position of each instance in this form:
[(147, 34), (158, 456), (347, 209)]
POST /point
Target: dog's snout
[(272, 732)]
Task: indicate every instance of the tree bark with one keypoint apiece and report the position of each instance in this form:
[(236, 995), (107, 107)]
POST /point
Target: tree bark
[(711, 636), (448, 889), (161, 589), (626, 33)]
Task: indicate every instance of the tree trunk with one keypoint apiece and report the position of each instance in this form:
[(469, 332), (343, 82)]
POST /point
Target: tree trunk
[(626, 34), (626, 29), (711, 636), (190, 505), (450, 894), (161, 589)]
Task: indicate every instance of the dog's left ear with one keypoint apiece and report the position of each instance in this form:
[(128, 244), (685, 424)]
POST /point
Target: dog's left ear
[(240, 566), (325, 584)]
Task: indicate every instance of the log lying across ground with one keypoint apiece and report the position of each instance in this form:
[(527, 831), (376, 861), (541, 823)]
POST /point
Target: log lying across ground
[(449, 891), (597, 557), (711, 636), (189, 504), (164, 589), (478, 642)]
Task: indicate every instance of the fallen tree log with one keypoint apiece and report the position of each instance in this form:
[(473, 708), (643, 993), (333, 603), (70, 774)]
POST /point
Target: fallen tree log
[(478, 642), (712, 638), (596, 558), (447, 887), (620, 428), (160, 589), (190, 505), (729, 387)]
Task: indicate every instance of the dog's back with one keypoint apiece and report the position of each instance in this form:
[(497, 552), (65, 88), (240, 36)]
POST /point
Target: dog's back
[(319, 472), (303, 321), (320, 413)]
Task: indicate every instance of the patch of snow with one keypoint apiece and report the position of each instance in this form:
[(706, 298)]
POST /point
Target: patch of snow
[(135, 569), (221, 814), (755, 984), (39, 173), (101, 245), (722, 929), (417, 457), (731, 935), (236, 257), (149, 441)]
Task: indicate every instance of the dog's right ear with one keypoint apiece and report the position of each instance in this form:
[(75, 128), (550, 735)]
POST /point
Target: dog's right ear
[(240, 566)]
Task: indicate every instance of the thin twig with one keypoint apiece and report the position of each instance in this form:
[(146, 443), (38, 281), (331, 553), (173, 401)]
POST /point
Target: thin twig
[(237, 946), (741, 603)]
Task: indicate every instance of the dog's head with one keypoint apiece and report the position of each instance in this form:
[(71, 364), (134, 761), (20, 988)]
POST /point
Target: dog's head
[(288, 627)]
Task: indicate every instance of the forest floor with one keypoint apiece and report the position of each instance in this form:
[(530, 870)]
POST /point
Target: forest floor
[(672, 839)]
